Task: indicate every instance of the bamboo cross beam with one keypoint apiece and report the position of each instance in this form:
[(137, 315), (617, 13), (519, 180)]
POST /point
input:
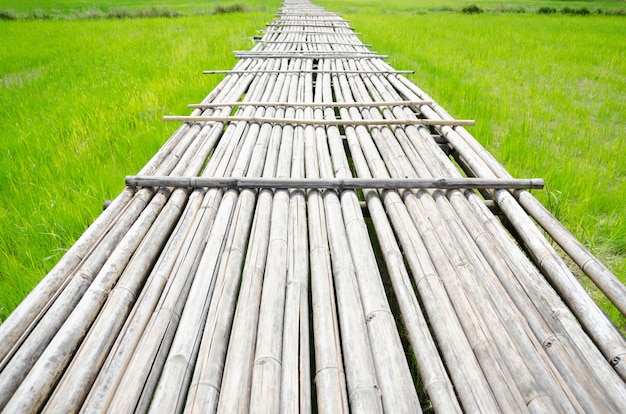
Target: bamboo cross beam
[(320, 32), (309, 55), (345, 72), (290, 42), (310, 105), (321, 122), (335, 184), (308, 25)]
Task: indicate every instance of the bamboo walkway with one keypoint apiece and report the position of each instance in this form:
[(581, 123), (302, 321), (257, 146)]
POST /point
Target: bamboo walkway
[(307, 242)]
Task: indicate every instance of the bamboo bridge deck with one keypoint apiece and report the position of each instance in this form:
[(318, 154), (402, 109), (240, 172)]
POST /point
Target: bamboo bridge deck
[(318, 236)]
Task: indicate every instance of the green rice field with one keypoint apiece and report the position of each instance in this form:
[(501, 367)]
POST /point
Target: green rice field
[(81, 101)]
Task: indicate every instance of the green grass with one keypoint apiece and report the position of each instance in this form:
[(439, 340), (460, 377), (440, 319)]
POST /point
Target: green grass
[(90, 9), (80, 108), (377, 7)]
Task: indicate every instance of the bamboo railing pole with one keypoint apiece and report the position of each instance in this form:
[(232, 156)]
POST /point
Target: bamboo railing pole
[(308, 104), (394, 379), (202, 118), (340, 184)]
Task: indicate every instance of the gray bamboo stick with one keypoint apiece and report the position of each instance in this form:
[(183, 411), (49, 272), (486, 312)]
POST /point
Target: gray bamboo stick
[(330, 376), (333, 183)]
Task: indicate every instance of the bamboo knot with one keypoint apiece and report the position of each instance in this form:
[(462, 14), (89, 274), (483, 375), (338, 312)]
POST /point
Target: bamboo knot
[(617, 359), (549, 342)]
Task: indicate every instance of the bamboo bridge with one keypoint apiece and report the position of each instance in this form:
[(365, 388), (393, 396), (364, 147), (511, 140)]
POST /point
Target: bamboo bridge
[(318, 236)]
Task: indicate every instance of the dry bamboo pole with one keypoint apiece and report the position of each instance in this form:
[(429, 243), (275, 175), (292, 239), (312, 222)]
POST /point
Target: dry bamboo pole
[(16, 328), (204, 386), (16, 369), (589, 264), (116, 367), (309, 55), (526, 379), (296, 376), (437, 383), (604, 334), (498, 378), (316, 122), (436, 380), (329, 377), (559, 362), (24, 318), (601, 276), (310, 104), (330, 380), (312, 43), (232, 71), (46, 371), (333, 183), (265, 393)]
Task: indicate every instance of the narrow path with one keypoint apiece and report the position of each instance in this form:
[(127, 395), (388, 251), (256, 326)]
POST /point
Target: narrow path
[(325, 253)]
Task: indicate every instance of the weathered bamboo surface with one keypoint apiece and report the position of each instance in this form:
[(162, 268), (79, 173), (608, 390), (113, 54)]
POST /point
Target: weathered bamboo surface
[(194, 292)]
